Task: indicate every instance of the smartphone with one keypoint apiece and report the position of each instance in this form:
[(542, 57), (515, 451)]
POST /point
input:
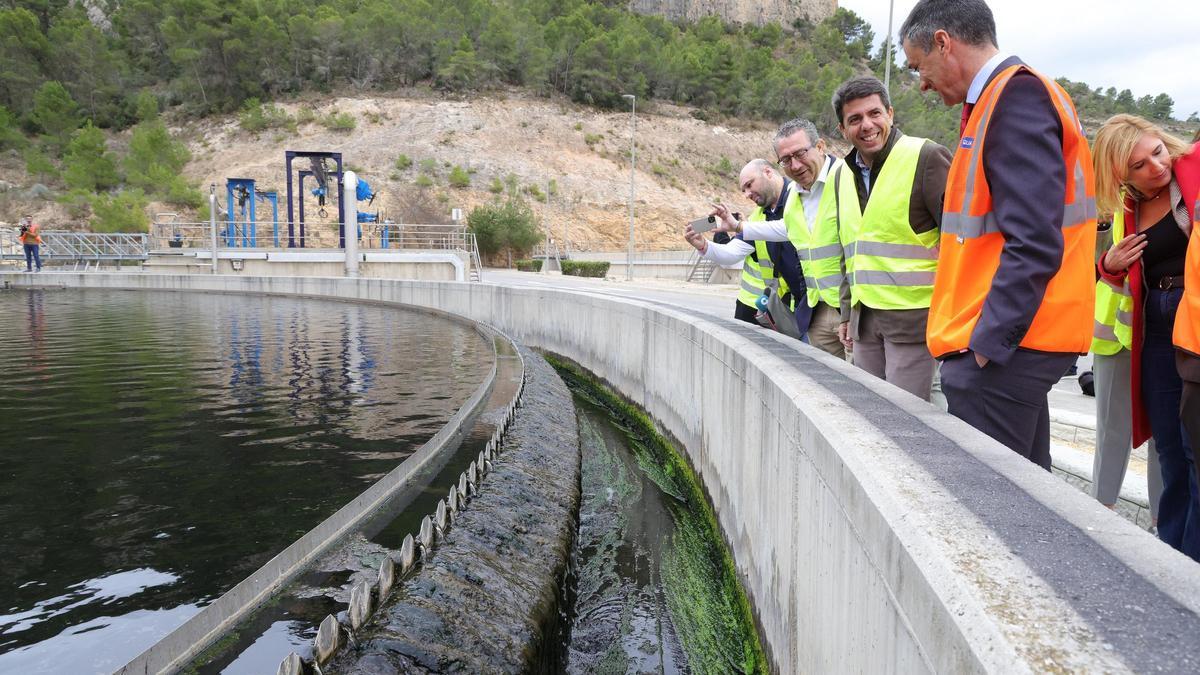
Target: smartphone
[(704, 224)]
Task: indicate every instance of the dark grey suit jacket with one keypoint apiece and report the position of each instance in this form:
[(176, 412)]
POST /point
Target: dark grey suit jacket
[(1023, 164)]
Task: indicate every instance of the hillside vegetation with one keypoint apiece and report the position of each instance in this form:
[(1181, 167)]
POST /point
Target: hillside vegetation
[(80, 89)]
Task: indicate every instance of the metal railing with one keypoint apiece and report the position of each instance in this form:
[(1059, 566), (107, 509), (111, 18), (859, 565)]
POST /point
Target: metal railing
[(78, 246), (165, 236), (168, 235)]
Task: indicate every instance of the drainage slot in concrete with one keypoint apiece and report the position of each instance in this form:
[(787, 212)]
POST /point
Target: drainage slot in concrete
[(653, 588)]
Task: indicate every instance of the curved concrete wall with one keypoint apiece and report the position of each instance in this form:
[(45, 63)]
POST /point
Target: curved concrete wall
[(874, 533)]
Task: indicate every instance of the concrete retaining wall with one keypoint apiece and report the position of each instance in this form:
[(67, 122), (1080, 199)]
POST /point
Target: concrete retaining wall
[(423, 266), (874, 533)]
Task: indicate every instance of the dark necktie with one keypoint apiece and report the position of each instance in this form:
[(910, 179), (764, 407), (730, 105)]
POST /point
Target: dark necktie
[(966, 115)]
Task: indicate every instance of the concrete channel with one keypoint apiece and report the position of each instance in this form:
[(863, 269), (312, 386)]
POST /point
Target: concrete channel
[(873, 533)]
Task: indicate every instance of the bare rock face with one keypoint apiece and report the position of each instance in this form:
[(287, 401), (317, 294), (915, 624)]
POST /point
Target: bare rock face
[(758, 12)]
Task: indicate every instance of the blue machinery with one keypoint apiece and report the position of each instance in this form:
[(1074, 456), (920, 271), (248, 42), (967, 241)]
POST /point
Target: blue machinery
[(319, 171), (241, 198)]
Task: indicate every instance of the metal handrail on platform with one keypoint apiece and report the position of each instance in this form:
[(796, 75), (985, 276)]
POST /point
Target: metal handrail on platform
[(165, 236), (86, 247)]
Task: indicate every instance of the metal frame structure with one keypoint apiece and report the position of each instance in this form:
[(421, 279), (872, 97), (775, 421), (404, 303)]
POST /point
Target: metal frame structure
[(79, 247), (336, 176), (248, 230)]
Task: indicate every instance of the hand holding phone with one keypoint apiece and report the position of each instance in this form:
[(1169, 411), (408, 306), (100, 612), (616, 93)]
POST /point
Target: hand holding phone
[(701, 225)]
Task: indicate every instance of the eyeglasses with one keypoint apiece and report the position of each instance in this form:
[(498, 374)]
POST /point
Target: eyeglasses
[(787, 160)]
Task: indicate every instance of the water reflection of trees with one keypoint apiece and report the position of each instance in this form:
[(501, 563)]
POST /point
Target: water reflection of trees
[(197, 435)]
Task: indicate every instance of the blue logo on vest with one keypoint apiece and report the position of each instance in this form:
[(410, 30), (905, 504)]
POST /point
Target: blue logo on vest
[(968, 141)]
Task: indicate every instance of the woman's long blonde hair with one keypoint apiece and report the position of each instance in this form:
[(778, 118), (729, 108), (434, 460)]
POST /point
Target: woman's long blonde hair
[(1110, 155)]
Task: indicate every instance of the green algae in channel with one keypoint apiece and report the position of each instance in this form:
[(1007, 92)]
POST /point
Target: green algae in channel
[(707, 603)]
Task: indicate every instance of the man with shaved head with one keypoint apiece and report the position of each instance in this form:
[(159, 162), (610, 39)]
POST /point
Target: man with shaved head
[(764, 265), (809, 223)]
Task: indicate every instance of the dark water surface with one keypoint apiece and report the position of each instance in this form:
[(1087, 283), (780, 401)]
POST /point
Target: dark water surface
[(156, 448)]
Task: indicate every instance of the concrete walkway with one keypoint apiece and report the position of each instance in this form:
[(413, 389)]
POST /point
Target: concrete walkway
[(1072, 414)]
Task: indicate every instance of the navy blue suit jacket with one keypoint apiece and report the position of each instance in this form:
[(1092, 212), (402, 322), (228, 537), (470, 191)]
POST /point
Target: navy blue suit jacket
[(1023, 164)]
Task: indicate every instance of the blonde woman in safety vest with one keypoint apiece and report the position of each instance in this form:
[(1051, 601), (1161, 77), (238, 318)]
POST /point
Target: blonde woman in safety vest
[(1153, 178), (1111, 362)]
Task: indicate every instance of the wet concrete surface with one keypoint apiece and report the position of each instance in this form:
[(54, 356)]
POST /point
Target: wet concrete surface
[(488, 599)]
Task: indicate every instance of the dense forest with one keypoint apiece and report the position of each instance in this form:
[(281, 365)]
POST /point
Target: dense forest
[(69, 69)]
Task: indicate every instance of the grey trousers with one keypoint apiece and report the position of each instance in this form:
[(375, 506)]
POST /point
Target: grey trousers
[(908, 365), (1114, 428), (823, 331), (1007, 402)]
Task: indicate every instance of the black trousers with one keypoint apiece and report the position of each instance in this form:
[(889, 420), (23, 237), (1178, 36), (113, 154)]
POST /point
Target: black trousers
[(1189, 414), (744, 313), (1007, 402)]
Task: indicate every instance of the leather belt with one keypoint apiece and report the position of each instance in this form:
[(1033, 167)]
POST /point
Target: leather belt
[(1167, 283)]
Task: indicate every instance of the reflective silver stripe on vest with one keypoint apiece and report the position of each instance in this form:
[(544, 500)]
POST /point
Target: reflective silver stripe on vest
[(1104, 331), (878, 278), (897, 251), (965, 226), (751, 289), (831, 281), (1125, 317), (820, 253)]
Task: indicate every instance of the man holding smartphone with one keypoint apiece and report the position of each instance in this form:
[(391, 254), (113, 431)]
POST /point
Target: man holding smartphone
[(809, 223), (765, 266)]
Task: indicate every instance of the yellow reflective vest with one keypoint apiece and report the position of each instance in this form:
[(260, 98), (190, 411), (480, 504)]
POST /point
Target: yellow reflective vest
[(756, 274), (818, 244), (888, 265), (1113, 327)]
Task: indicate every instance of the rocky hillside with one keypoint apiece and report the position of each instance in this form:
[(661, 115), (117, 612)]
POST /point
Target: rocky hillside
[(682, 162)]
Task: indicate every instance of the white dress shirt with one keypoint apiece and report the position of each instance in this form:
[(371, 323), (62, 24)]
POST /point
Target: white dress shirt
[(977, 84), (776, 230)]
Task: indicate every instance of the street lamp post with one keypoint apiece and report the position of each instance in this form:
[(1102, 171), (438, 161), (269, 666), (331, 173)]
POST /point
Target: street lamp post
[(887, 60), (632, 165)]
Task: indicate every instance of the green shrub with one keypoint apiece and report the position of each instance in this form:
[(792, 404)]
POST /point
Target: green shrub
[(509, 225), (123, 212), (496, 187), (403, 162), (592, 139), (459, 177), (423, 181), (723, 167), (535, 192), (255, 117), (585, 268), (336, 121), (529, 265), (428, 165)]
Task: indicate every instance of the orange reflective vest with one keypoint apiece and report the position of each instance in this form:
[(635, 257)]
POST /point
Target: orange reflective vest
[(1187, 317), (971, 240), (31, 235)]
